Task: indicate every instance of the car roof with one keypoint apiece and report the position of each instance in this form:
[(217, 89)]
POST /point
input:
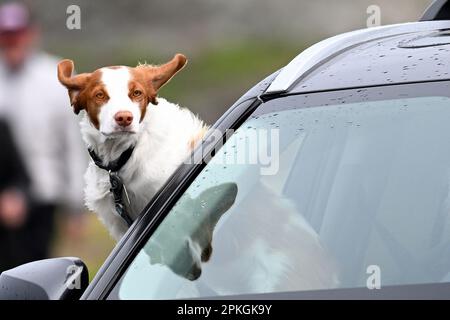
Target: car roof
[(410, 52)]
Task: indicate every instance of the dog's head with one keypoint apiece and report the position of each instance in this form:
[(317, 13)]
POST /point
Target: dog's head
[(116, 98)]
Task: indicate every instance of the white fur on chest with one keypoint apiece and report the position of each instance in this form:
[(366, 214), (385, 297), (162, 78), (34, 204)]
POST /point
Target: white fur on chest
[(161, 145)]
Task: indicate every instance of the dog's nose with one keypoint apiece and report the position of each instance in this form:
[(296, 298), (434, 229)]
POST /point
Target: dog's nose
[(123, 118)]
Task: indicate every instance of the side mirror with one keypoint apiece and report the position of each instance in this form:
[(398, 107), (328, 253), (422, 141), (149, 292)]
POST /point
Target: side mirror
[(50, 279)]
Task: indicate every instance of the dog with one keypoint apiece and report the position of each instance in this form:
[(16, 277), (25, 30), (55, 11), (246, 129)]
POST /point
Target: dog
[(130, 131)]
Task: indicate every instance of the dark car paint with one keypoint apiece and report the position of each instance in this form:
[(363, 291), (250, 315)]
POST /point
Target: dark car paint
[(404, 58), (411, 57)]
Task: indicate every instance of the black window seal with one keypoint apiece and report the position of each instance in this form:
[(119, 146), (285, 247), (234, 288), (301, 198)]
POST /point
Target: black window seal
[(423, 291)]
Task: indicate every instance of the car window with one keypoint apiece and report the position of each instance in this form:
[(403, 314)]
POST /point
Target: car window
[(351, 191)]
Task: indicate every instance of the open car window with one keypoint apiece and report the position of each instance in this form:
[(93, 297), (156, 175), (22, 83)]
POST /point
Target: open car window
[(355, 187)]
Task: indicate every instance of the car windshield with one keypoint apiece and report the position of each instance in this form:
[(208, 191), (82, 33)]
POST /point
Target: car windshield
[(356, 194)]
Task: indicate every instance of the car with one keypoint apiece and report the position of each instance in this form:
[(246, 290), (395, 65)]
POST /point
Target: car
[(354, 202)]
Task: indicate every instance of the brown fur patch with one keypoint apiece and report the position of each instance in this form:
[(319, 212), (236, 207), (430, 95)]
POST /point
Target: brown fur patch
[(139, 81), (83, 89), (149, 78), (87, 100)]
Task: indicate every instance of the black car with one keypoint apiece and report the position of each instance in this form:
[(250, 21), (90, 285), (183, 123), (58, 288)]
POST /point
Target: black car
[(349, 198)]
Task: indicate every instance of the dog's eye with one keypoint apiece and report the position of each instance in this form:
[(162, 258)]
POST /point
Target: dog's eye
[(99, 95), (137, 93)]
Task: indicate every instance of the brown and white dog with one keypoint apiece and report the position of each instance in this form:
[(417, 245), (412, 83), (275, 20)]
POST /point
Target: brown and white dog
[(120, 110)]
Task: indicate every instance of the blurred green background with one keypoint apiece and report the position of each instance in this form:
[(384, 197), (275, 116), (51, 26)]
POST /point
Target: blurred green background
[(231, 45)]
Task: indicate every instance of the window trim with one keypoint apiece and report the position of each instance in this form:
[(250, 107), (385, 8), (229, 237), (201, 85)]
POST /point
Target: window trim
[(422, 291)]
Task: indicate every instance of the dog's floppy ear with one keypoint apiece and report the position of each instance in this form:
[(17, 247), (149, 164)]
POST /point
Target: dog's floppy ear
[(163, 73), (74, 84), (156, 76)]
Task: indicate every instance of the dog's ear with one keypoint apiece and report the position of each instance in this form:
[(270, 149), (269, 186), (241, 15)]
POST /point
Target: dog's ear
[(74, 84), (162, 74), (156, 76)]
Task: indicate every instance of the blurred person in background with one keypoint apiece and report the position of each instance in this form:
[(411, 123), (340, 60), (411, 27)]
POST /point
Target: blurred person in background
[(36, 108), (14, 181)]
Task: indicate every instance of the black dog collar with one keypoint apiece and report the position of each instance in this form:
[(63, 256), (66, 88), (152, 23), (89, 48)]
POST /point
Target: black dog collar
[(117, 186), (114, 165)]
